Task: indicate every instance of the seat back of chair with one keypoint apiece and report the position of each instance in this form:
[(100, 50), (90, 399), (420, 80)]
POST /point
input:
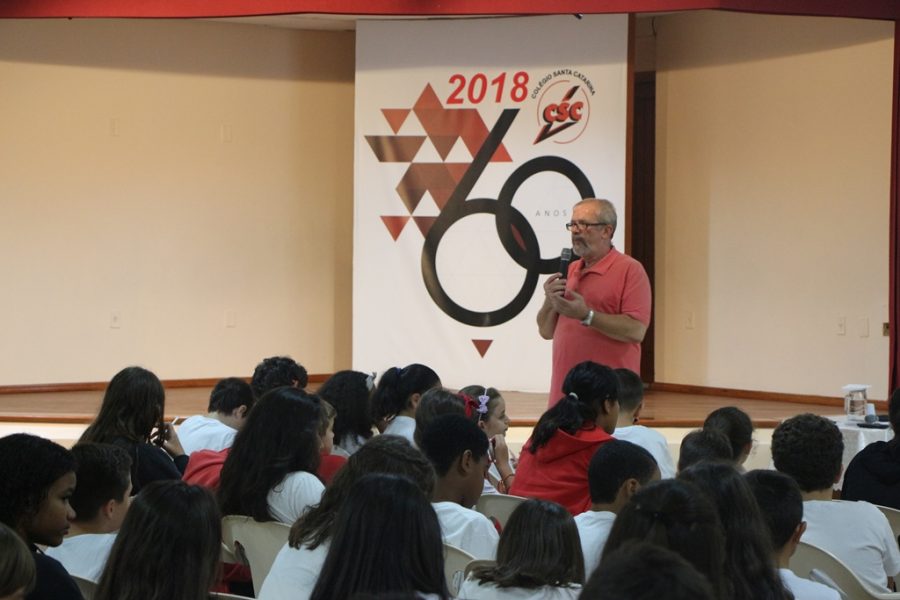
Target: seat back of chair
[(455, 562), (87, 587), (498, 507), (255, 544), (809, 559)]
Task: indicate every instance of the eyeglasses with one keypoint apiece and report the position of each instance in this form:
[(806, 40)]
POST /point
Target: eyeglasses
[(582, 225)]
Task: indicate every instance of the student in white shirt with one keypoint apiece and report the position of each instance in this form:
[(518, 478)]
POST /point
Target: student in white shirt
[(397, 396), (297, 566), (486, 407), (631, 401), (229, 403), (616, 472), (349, 393), (458, 450), (538, 558), (101, 499), (809, 448), (781, 506)]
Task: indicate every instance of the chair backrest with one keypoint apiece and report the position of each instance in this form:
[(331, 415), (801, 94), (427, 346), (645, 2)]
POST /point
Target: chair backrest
[(455, 562), (87, 587), (811, 562), (476, 564), (893, 517), (498, 507), (255, 544)]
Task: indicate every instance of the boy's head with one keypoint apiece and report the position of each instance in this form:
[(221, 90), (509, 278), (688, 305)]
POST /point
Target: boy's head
[(434, 403), (617, 471), (103, 492), (780, 503), (704, 444), (809, 448), (278, 371), (458, 450), (631, 390), (232, 398)]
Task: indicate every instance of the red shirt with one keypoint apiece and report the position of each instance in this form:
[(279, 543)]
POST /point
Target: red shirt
[(205, 467)]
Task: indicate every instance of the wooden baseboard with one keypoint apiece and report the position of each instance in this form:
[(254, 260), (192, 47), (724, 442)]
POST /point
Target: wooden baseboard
[(93, 386), (698, 390)]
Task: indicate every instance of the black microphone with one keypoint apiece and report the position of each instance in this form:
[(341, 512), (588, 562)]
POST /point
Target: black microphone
[(565, 257)]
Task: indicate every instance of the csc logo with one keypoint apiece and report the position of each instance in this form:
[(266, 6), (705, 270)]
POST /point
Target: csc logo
[(558, 116), (562, 112)]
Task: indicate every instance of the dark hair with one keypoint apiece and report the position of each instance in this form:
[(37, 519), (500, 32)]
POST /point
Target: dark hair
[(133, 404), (29, 466), (749, 561), (676, 515), (17, 568), (280, 436), (614, 463), (780, 503), (387, 538), (448, 437), (704, 444), (735, 424), (397, 385), (229, 394), (631, 389), (168, 546), (382, 454), (103, 474), (539, 546), (473, 392), (434, 403), (894, 415), (587, 386), (809, 448), (348, 392), (275, 372), (639, 570)]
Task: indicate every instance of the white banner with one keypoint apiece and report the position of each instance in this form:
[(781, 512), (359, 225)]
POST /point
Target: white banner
[(474, 138)]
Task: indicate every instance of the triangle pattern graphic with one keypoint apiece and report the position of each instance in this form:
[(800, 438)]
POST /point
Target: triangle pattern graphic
[(482, 346), (459, 153), (424, 224), (395, 225), (395, 117)]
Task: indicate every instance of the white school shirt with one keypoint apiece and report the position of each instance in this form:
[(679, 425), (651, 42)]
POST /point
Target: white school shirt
[(593, 529), (467, 529), (204, 433), (653, 442), (84, 555), (858, 534), (405, 427), (296, 492), (472, 589), (804, 589), (294, 573)]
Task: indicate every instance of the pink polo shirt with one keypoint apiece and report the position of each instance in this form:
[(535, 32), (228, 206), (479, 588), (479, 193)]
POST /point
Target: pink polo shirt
[(616, 284)]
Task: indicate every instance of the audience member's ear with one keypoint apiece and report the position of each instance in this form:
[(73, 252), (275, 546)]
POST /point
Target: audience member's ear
[(466, 462), (744, 454), (629, 488), (840, 472), (637, 411), (414, 401), (240, 412), (795, 537)]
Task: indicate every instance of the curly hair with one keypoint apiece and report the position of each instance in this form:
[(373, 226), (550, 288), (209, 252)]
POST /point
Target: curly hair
[(29, 466), (349, 393), (278, 371), (809, 448), (133, 404)]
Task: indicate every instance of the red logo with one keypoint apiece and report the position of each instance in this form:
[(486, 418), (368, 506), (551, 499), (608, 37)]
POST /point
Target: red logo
[(559, 115)]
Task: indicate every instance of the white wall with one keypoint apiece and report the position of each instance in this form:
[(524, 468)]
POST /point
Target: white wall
[(170, 171), (773, 173)]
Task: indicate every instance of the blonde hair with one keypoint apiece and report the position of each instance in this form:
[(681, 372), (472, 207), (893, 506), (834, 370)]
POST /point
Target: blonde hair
[(17, 568)]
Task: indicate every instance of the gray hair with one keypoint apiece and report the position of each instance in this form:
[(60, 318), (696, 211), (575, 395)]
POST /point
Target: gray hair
[(606, 211)]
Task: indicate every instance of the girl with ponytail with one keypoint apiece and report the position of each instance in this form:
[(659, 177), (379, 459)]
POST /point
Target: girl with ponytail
[(396, 398)]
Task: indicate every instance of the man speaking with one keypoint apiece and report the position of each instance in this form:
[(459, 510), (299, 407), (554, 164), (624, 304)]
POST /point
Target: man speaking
[(600, 309)]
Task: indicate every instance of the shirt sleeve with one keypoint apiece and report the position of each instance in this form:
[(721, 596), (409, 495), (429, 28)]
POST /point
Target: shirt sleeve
[(637, 300), (889, 543)]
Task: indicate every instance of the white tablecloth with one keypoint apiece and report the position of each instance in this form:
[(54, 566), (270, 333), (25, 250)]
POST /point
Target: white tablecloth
[(856, 438)]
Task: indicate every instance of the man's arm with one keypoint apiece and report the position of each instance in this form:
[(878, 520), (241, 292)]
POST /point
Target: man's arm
[(548, 316), (619, 327)]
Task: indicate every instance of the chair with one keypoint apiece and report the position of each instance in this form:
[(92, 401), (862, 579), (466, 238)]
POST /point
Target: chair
[(498, 507), (455, 562), (224, 596), (475, 564), (87, 587), (255, 544), (893, 517), (820, 565)]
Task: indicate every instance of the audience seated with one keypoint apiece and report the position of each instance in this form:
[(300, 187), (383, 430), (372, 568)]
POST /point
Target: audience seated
[(781, 506), (16, 566), (297, 566), (270, 471), (396, 399), (676, 515), (275, 372), (458, 450), (538, 558), (704, 444), (349, 393), (617, 471), (749, 565), (554, 461), (100, 502), (433, 404), (631, 401), (330, 463), (644, 571), (131, 417), (386, 540), (809, 448), (736, 425), (168, 546), (486, 407), (229, 403), (37, 478), (874, 473)]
